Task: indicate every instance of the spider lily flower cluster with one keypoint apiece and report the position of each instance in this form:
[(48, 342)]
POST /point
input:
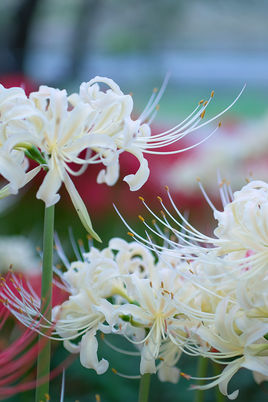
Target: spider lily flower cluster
[(89, 127), (121, 290), (230, 270), (202, 296)]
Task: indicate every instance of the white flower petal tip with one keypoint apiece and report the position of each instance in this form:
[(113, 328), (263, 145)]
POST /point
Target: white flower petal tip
[(169, 374), (137, 180), (88, 354)]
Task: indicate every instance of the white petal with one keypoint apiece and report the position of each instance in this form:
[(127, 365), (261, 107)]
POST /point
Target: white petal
[(257, 363), (137, 180), (110, 174), (147, 364), (80, 207), (12, 171), (259, 378), (71, 347), (9, 190), (88, 353), (94, 141), (170, 374), (49, 188)]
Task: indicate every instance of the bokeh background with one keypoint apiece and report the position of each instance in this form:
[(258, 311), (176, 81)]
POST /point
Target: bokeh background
[(204, 45)]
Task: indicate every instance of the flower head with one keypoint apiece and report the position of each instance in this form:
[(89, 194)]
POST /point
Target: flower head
[(94, 126)]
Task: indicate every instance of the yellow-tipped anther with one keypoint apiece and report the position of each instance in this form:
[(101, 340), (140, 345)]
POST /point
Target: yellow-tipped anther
[(89, 237), (10, 268), (47, 397), (161, 358), (141, 218), (153, 221), (205, 103), (151, 284), (38, 249), (198, 178), (155, 90), (212, 93), (157, 107), (130, 234), (159, 198), (162, 284), (203, 114), (166, 188), (97, 396), (162, 213), (102, 335), (114, 370), (200, 102), (80, 242), (187, 376), (141, 198), (220, 123)]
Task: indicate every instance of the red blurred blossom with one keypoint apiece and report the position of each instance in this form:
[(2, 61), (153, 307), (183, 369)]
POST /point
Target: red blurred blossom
[(18, 358), (19, 80)]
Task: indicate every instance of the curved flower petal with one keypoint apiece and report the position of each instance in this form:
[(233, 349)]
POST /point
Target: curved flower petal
[(12, 172), (93, 141), (9, 190), (71, 347), (148, 357), (110, 174), (49, 188), (80, 207), (224, 379), (170, 374), (137, 180), (88, 353)]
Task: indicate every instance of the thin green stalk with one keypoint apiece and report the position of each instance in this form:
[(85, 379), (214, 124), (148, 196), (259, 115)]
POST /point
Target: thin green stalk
[(144, 387), (43, 361), (217, 368), (201, 372)]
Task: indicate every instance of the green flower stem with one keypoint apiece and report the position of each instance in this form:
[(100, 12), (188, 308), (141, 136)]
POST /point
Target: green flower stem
[(217, 368), (201, 372), (43, 361), (144, 387)]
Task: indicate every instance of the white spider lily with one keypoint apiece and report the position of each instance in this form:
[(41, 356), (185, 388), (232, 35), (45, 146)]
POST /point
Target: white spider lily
[(241, 237), (134, 136), (240, 338), (14, 107), (61, 135), (54, 129), (159, 309)]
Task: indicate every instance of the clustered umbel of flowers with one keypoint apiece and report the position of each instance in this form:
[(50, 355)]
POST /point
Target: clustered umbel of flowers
[(90, 127), (194, 294)]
